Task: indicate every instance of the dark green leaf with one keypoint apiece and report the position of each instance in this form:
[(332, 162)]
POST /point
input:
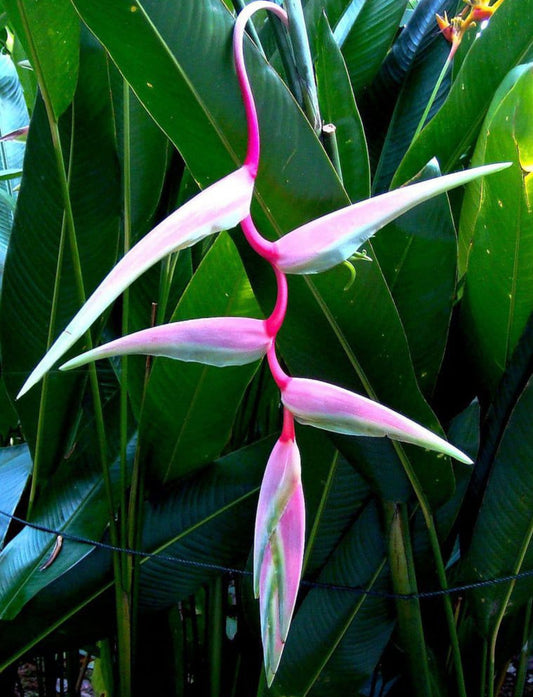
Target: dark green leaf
[(411, 48), (13, 115), (412, 101), (50, 33), (417, 254), (332, 625), (207, 520), (504, 524), (498, 219), (72, 503), (15, 468), (35, 247), (338, 107), (370, 38)]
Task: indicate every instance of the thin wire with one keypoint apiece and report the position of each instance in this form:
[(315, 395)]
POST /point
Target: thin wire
[(243, 572)]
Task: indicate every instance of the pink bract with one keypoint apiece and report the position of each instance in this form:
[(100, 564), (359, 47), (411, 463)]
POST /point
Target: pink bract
[(332, 408), (218, 341)]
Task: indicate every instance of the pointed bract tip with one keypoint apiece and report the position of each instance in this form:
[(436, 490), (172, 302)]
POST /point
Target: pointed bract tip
[(332, 408)]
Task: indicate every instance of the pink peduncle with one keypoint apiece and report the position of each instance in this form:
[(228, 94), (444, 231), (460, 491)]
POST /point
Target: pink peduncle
[(252, 155), (257, 242), (280, 376), (287, 432), (274, 322)]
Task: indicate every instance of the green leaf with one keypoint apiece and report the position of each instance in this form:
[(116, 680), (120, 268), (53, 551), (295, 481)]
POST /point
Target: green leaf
[(35, 247), (498, 219), (13, 115), (504, 525), (15, 468), (72, 503), (502, 45), (207, 520), (182, 522), (50, 33), (8, 415), (338, 107), (417, 254), (190, 408), (370, 38), (412, 100)]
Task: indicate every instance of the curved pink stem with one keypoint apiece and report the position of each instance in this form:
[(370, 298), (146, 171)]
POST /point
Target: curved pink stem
[(252, 156), (274, 322), (280, 376), (257, 242)]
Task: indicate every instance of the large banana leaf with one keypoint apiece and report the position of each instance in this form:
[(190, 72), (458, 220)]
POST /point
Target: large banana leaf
[(37, 251), (73, 502), (379, 100), (50, 32), (13, 115), (369, 39), (412, 100), (418, 253), (497, 228), (501, 541), (338, 107), (15, 468), (504, 43)]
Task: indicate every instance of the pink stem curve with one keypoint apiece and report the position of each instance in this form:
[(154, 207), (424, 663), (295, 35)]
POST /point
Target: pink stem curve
[(252, 155)]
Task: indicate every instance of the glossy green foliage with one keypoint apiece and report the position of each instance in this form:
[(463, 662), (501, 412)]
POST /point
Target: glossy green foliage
[(36, 305), (497, 235), (501, 539), (338, 107), (50, 32), (13, 115), (418, 256), (153, 116)]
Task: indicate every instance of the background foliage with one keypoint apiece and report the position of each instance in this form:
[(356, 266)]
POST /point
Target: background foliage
[(134, 106)]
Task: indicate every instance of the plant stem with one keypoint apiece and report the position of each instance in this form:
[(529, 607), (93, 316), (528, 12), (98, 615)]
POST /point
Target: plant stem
[(76, 262), (521, 673), (123, 590), (439, 565), (503, 607), (408, 611), (329, 139), (433, 95), (126, 192)]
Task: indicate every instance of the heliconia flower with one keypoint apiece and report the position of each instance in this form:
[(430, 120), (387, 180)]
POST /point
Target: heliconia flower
[(446, 27), (482, 10), (325, 242), (218, 341), (278, 548), (332, 408), (219, 207)]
